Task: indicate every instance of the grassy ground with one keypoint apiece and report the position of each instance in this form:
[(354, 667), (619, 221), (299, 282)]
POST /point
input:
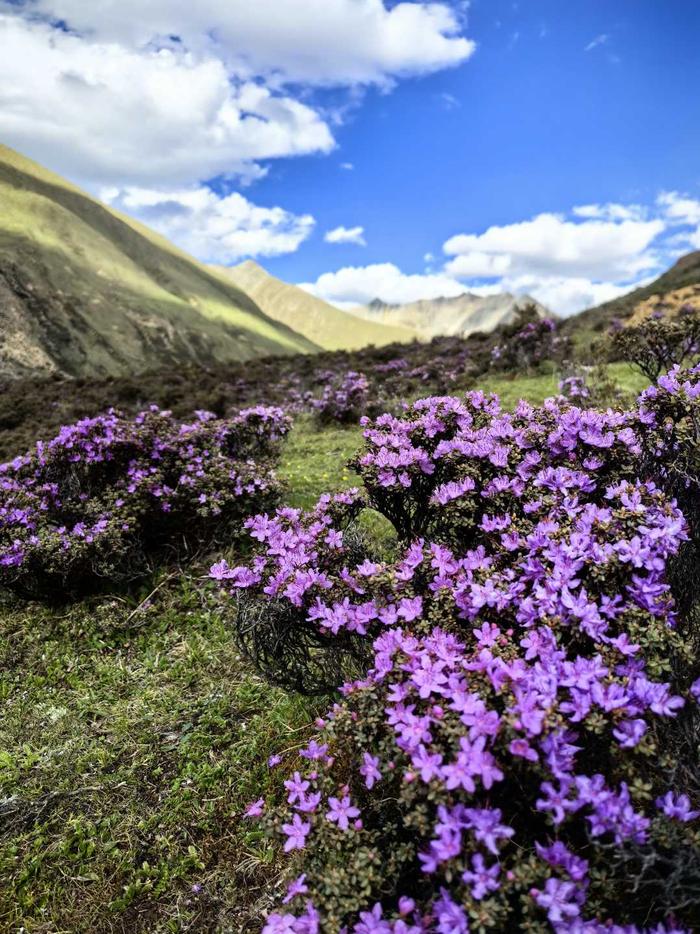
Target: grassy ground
[(133, 735)]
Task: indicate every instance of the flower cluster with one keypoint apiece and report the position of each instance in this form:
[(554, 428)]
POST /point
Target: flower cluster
[(447, 462), (106, 494), (528, 342), (344, 398), (508, 733)]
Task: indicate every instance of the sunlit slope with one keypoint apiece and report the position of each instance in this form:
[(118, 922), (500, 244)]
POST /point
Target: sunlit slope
[(678, 286), (86, 291), (320, 322), (452, 317)]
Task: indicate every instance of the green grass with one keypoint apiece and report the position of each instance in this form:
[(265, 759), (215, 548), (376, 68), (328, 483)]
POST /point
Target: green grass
[(314, 461), (133, 735), (538, 387), (131, 741)]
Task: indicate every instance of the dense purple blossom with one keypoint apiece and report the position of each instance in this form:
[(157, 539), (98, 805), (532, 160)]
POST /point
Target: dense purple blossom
[(98, 498), (520, 658)]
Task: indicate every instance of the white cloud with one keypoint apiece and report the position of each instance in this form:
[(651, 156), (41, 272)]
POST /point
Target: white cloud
[(551, 245), (162, 94), (602, 39), (567, 263), (358, 285), (347, 166), (104, 114), (611, 211), (217, 229), (565, 295), (320, 42), (354, 235), (449, 101), (680, 209)]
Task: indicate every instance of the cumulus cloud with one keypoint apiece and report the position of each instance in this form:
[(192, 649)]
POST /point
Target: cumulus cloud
[(354, 235), (678, 208), (565, 295), (319, 42), (158, 98), (102, 113), (611, 211), (358, 285), (217, 229), (567, 263), (551, 245)]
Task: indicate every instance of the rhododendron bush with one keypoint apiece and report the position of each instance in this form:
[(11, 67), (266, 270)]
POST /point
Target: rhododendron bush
[(98, 501), (520, 752), (344, 398)]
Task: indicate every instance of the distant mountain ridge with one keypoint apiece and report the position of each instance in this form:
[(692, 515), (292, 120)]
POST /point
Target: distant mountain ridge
[(87, 291), (318, 321), (452, 317)]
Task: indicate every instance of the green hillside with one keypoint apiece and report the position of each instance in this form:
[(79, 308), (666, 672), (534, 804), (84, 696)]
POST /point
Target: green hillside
[(306, 314), (683, 274), (86, 291)]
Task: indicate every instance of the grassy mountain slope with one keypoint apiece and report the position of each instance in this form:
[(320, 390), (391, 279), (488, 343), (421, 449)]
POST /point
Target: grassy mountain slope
[(681, 279), (86, 291), (453, 317), (320, 322)]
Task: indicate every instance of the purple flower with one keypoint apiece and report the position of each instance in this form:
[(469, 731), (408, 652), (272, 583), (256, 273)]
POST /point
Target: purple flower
[(255, 809), (297, 833), (677, 807), (370, 769), (297, 887), (341, 811), (560, 899), (481, 878)]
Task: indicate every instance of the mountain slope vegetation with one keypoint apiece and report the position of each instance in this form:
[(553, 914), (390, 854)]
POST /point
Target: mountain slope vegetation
[(87, 291), (318, 321), (679, 284)]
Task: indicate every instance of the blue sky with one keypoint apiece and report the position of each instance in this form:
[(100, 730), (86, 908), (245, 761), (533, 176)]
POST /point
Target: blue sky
[(369, 148)]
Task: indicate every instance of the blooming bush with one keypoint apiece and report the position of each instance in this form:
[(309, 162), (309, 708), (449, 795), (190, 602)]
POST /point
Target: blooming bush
[(658, 343), (669, 429), (344, 398), (528, 342), (97, 502), (509, 759), (447, 462)]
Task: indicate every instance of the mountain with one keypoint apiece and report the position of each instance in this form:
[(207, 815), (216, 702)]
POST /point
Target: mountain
[(677, 286), (320, 322), (458, 316), (87, 291)]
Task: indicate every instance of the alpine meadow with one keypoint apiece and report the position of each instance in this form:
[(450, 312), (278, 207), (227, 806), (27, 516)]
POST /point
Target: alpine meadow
[(349, 467)]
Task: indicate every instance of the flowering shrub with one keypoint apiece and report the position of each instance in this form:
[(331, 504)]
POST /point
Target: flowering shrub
[(669, 429), (344, 398), (528, 342), (96, 502), (658, 343), (294, 652), (509, 758), (449, 461)]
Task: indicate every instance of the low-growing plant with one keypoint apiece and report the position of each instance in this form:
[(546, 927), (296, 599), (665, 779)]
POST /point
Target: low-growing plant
[(344, 398), (530, 340), (107, 496), (509, 760), (658, 343)]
